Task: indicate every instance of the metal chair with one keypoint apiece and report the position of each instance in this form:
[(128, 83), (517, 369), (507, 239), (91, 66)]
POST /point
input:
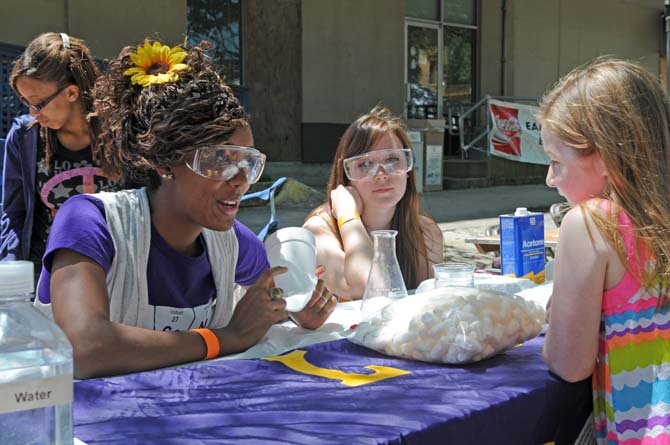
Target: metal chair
[(267, 194)]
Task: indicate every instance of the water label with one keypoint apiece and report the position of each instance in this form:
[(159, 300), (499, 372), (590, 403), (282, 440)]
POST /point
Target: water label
[(33, 394), (522, 246)]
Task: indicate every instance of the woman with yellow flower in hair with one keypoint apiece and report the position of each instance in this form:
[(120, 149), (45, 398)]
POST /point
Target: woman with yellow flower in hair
[(163, 275)]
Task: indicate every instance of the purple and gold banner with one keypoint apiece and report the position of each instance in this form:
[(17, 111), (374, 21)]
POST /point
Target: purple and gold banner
[(335, 393)]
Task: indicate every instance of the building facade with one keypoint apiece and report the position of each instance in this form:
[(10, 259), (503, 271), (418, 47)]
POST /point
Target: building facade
[(307, 68)]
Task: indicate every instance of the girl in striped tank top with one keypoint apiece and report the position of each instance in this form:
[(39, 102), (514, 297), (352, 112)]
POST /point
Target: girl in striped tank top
[(606, 130)]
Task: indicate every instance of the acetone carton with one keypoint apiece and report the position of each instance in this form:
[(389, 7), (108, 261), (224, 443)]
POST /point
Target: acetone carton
[(522, 245)]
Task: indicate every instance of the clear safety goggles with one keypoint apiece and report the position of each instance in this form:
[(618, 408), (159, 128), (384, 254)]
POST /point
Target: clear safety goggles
[(394, 161), (224, 162)]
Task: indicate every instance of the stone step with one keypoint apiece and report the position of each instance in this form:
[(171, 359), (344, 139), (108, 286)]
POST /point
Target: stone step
[(451, 183), (465, 168)]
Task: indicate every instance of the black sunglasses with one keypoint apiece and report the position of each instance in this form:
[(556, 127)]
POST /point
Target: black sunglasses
[(45, 102)]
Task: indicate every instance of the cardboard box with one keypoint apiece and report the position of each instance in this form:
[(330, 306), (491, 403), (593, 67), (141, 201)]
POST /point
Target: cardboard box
[(417, 150), (431, 145), (522, 246)]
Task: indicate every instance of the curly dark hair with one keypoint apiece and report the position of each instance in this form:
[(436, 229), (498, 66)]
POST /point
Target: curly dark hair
[(160, 125)]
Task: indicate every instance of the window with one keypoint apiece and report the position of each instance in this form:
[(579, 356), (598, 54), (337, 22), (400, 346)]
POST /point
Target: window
[(422, 71), (422, 9), (439, 49), (219, 22), (459, 55), (10, 105), (462, 12)]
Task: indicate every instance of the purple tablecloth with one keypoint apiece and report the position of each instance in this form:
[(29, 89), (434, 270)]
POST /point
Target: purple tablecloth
[(509, 399)]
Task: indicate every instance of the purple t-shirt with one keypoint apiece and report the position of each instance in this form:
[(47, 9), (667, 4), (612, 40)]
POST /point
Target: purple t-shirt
[(173, 280)]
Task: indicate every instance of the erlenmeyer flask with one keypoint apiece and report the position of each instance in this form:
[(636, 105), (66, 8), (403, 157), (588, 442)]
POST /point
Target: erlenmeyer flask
[(385, 282)]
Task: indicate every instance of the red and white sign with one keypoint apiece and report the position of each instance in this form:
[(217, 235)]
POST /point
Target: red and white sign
[(515, 133)]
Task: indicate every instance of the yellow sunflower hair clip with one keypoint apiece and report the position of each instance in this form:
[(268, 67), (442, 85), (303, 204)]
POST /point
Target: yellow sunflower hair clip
[(156, 63)]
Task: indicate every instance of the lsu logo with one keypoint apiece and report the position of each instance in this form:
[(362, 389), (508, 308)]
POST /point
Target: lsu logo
[(297, 362)]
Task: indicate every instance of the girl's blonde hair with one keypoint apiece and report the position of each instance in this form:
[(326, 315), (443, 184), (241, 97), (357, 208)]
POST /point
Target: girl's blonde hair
[(618, 110)]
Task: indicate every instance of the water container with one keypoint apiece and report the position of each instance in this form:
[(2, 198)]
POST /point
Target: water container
[(35, 366)]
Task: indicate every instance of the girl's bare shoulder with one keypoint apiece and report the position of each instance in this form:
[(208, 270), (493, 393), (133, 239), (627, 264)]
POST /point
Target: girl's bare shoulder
[(579, 232), (318, 226)]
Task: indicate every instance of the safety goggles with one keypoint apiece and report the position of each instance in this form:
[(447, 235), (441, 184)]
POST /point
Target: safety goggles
[(394, 161), (224, 162), (38, 107)]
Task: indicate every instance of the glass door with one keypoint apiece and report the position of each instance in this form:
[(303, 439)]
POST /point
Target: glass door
[(423, 70)]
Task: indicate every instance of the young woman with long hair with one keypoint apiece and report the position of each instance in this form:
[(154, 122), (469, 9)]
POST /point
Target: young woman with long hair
[(372, 187), (50, 154)]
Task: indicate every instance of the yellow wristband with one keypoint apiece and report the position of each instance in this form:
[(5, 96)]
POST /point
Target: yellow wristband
[(211, 342), (342, 220)]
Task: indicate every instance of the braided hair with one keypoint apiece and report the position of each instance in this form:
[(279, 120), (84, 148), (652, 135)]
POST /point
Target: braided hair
[(49, 58), (145, 128)]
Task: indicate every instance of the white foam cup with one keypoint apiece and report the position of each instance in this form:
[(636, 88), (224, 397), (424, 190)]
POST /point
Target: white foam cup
[(295, 248)]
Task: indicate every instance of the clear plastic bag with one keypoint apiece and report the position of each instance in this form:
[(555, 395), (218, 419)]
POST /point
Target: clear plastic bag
[(453, 325)]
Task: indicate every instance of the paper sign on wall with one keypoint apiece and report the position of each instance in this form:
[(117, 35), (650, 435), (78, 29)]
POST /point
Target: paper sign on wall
[(433, 165), (417, 150)]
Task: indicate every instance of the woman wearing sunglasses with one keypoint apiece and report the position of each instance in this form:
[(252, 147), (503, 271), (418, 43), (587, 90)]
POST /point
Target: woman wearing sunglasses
[(48, 154), (158, 276), (372, 187)]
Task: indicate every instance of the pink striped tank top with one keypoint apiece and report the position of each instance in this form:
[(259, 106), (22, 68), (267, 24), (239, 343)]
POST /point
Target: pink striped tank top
[(631, 381)]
